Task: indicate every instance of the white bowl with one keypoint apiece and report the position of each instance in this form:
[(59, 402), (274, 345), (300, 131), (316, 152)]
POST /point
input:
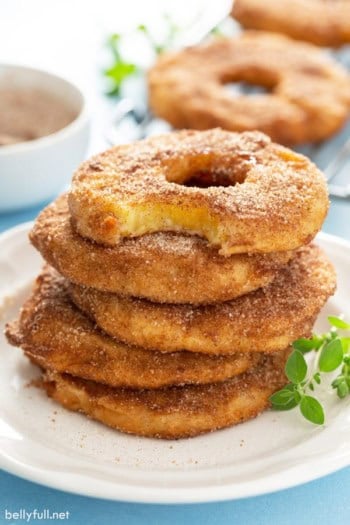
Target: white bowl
[(35, 171)]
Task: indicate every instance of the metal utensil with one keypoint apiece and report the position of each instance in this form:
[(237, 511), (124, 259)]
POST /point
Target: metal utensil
[(128, 122), (334, 167)]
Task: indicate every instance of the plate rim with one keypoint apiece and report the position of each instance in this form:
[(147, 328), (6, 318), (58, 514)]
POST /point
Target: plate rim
[(77, 483)]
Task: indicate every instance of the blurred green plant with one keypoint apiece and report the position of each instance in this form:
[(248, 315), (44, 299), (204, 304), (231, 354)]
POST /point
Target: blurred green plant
[(121, 69)]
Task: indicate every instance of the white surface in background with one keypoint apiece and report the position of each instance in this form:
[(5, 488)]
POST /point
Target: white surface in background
[(66, 37)]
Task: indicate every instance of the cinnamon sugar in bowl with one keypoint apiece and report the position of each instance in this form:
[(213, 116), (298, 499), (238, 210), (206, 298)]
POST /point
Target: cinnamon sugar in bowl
[(44, 131)]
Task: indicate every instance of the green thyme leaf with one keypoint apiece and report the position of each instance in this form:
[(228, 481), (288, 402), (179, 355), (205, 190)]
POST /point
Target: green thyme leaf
[(337, 381), (312, 410), (338, 323), (317, 378), (297, 397), (342, 389), (296, 367), (334, 354), (306, 345), (345, 341), (284, 399), (331, 356), (119, 71)]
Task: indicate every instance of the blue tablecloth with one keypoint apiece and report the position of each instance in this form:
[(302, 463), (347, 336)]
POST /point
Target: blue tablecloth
[(323, 502)]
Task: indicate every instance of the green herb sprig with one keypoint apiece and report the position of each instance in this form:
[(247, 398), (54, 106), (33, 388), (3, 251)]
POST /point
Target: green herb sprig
[(121, 69), (332, 354), (172, 30)]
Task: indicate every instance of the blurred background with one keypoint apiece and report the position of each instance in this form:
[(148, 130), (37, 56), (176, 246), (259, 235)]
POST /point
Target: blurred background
[(74, 39), (69, 38)]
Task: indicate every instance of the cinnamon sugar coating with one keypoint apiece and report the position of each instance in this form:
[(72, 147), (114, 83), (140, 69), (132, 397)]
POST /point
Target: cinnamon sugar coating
[(173, 412), (55, 335), (325, 23), (266, 320), (162, 267), (276, 201), (308, 93)]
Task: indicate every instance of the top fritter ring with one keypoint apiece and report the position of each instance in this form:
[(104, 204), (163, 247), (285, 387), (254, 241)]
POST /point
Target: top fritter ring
[(264, 197)]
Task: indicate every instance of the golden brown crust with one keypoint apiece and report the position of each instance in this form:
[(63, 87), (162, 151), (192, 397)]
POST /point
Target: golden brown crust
[(263, 321), (309, 92), (174, 412), (277, 199), (163, 267), (322, 23), (56, 336)]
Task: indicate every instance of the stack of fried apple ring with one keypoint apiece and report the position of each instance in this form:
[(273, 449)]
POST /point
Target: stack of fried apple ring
[(317, 21), (307, 96), (179, 270)]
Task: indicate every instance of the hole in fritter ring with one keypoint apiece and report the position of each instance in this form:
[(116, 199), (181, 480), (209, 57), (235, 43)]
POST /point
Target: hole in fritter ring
[(207, 170), (207, 179), (237, 89)]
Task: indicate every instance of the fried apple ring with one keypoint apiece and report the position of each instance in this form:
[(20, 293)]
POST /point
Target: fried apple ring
[(163, 267), (57, 336), (322, 23), (174, 412), (263, 321), (275, 200), (308, 96)]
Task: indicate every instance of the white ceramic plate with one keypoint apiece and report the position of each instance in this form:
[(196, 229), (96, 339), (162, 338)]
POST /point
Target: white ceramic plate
[(42, 442)]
